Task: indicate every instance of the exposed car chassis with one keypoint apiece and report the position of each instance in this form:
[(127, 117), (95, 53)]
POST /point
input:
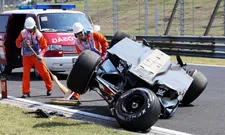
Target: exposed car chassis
[(139, 82)]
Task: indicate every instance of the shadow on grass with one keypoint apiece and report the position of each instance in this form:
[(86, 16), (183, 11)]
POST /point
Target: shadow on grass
[(58, 124)]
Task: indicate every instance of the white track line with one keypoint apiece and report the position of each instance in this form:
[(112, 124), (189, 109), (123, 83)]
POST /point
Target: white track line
[(35, 105), (63, 109)]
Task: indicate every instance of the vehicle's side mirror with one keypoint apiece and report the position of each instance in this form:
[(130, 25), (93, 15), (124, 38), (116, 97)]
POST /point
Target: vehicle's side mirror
[(97, 28)]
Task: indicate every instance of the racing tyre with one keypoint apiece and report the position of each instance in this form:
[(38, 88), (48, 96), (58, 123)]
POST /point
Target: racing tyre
[(137, 109), (118, 36), (5, 69), (196, 88), (82, 72)]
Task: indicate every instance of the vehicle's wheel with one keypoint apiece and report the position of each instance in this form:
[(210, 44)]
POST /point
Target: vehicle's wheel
[(118, 36), (137, 109), (82, 72), (197, 87), (5, 69)]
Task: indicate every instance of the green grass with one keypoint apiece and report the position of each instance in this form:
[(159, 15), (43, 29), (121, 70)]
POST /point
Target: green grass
[(201, 60), (131, 16), (14, 121), (130, 21)]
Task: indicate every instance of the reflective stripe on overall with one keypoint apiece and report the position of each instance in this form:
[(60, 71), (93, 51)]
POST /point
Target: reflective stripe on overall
[(33, 38), (89, 44)]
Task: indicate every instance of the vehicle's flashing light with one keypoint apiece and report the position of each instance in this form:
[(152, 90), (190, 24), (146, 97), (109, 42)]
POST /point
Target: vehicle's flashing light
[(48, 6), (54, 6), (21, 7)]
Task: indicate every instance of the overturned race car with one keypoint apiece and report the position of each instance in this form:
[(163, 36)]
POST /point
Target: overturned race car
[(138, 81)]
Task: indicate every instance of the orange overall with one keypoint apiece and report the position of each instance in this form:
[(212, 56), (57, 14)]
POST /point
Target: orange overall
[(30, 59), (99, 43)]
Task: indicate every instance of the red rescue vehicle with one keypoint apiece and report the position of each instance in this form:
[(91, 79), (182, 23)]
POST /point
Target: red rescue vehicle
[(55, 22)]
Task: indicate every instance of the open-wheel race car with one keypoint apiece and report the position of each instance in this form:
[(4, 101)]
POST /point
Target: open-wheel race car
[(139, 82)]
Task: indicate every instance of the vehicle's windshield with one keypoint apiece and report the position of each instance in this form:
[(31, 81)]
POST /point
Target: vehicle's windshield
[(62, 21)]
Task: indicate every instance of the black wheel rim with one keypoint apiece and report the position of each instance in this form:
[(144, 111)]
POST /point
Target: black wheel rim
[(133, 103)]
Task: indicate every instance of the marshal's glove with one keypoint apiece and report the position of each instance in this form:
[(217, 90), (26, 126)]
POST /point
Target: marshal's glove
[(39, 57), (25, 43)]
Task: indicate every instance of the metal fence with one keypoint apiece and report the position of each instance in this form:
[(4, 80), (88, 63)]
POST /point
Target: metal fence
[(151, 17), (201, 46)]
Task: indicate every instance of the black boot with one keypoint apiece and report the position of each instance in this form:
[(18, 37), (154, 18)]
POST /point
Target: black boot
[(26, 95), (49, 92)]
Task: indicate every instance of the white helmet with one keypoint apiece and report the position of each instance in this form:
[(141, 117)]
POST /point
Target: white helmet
[(29, 23), (77, 27)]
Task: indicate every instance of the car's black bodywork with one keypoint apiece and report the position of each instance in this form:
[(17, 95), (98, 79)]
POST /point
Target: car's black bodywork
[(140, 83)]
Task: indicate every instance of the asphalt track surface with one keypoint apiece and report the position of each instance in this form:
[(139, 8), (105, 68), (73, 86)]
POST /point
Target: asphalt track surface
[(205, 116)]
